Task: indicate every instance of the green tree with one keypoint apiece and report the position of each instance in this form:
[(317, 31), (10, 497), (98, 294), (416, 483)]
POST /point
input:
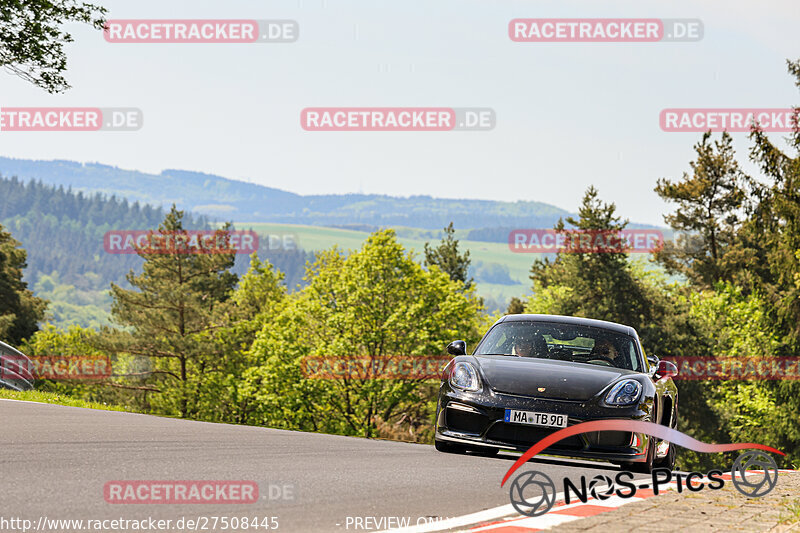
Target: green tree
[(609, 286), (447, 257), (377, 303), (770, 240), (20, 310), (253, 305), (739, 325), (708, 214), (32, 39), (516, 306), (748, 232), (588, 282), (72, 341), (170, 316)]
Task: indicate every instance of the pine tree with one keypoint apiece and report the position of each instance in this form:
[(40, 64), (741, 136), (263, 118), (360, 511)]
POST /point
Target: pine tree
[(591, 283), (771, 238), (448, 259), (176, 304), (708, 214)]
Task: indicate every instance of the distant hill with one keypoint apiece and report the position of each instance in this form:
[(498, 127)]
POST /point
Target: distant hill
[(226, 199), (61, 216), (62, 232)]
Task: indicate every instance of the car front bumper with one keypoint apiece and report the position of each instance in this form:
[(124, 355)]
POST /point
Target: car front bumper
[(478, 420)]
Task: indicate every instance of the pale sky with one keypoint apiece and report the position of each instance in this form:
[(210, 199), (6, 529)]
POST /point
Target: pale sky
[(568, 114)]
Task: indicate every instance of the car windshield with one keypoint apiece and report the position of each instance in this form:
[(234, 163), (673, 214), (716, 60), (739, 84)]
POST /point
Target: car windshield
[(564, 342)]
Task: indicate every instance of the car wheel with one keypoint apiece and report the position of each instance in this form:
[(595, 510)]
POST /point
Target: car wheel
[(448, 447), (646, 467), (667, 461)]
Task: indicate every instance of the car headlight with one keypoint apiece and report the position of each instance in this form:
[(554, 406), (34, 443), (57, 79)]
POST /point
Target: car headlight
[(625, 392), (465, 377)]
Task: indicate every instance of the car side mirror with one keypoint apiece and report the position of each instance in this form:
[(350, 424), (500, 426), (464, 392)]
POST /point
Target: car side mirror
[(652, 360), (665, 369), (457, 348)]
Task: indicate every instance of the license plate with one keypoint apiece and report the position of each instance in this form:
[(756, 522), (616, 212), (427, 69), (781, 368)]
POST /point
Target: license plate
[(536, 419)]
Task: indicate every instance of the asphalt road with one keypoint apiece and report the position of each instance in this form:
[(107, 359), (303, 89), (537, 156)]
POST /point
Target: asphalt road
[(56, 460)]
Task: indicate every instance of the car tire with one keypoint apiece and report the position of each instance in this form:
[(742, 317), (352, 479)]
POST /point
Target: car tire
[(667, 461), (448, 447), (646, 466)]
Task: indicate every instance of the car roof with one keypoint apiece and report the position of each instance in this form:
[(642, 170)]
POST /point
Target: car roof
[(580, 321)]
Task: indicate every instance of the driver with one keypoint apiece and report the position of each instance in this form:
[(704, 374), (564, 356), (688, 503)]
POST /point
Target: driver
[(606, 348), (531, 346)]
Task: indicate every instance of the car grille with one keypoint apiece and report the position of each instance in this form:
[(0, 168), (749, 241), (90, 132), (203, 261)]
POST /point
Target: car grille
[(608, 438), (529, 435), (465, 421)]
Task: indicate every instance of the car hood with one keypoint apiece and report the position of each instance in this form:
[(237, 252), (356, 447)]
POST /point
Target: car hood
[(561, 380)]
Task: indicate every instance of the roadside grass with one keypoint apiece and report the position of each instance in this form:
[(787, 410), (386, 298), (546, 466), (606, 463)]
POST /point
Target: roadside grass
[(790, 513), (58, 399)]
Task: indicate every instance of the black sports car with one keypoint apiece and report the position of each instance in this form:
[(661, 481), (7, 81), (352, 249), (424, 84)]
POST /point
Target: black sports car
[(532, 375)]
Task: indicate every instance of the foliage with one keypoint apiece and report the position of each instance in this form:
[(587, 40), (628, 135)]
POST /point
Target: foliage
[(743, 290), (70, 305), (707, 216), (447, 257), (251, 307), (72, 341), (57, 398), (595, 285), (516, 306), (63, 232), (32, 39), (745, 411), (176, 305), (63, 229), (376, 302), (20, 310), (771, 238), (492, 273)]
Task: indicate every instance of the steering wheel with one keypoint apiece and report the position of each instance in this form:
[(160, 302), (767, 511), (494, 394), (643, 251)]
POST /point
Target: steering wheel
[(562, 354), (603, 358)]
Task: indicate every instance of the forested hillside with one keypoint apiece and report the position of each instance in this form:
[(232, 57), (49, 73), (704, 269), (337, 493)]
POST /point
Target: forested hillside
[(228, 199), (62, 231)]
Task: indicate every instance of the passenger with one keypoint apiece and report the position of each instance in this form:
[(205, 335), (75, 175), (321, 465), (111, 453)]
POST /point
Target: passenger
[(606, 348)]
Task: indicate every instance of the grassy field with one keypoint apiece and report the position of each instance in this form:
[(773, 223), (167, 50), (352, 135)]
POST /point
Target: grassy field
[(59, 399), (319, 238)]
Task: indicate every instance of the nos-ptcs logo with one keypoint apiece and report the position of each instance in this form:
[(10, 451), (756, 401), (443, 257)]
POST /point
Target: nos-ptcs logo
[(533, 493)]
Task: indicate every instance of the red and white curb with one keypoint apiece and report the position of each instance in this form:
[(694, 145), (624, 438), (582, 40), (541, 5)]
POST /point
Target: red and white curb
[(505, 519)]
